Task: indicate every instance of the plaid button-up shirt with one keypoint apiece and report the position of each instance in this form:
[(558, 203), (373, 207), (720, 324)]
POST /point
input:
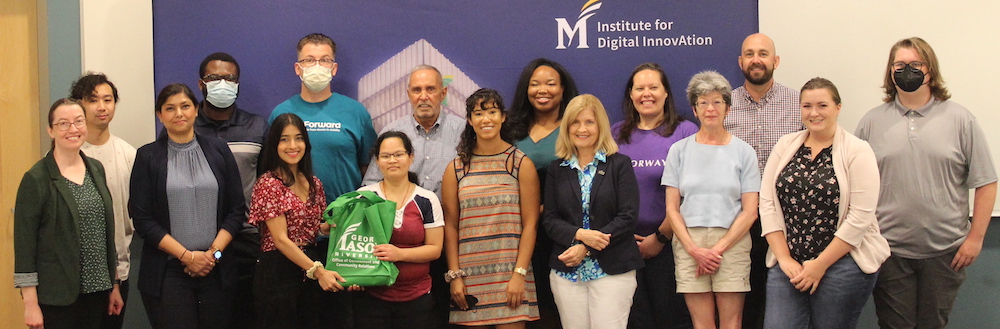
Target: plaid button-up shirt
[(761, 124)]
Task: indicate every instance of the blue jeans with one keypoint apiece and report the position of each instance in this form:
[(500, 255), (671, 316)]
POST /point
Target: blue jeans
[(837, 303)]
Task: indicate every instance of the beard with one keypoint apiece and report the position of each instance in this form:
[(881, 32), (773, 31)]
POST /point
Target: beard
[(763, 79)]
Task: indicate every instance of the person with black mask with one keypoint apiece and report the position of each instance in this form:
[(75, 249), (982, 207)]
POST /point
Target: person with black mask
[(930, 152), (218, 116)]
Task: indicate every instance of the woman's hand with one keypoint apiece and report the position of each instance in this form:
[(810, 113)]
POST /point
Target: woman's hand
[(355, 288), (201, 265), (458, 293), (791, 267), (388, 253), (649, 246), (329, 280), (515, 290), (808, 279), (115, 303), (33, 316), (324, 228), (574, 255), (708, 260), (593, 238)]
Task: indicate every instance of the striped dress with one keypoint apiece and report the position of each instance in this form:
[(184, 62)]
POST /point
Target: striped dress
[(489, 233)]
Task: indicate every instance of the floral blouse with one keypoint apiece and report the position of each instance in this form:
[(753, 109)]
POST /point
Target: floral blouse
[(810, 200), (589, 269), (271, 198)]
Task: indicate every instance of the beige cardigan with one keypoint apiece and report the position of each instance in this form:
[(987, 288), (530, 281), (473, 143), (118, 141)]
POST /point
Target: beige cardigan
[(857, 174)]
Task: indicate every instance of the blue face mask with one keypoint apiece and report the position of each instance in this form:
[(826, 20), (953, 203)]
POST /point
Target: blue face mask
[(222, 92)]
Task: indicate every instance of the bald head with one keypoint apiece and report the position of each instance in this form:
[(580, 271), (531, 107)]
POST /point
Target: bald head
[(758, 59), (426, 91)]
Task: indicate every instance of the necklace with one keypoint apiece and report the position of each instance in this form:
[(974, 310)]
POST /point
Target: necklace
[(399, 199)]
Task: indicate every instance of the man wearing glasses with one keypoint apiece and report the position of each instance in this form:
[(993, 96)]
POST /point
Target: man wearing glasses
[(762, 111), (930, 152), (218, 115), (340, 128)]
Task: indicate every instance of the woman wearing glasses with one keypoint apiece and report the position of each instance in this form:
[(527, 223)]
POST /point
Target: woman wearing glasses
[(64, 252), (186, 209), (716, 175), (417, 237), (490, 198)]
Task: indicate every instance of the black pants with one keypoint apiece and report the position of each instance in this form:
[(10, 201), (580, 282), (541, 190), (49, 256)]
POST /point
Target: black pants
[(244, 251), (284, 297), (187, 302), (374, 313), (656, 303), (86, 312), (115, 321), (753, 307)]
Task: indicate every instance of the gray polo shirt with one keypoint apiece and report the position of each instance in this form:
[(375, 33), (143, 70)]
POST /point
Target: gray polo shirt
[(928, 159), (432, 151)]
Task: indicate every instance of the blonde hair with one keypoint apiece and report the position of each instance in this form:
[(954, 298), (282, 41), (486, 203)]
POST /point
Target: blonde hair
[(605, 142)]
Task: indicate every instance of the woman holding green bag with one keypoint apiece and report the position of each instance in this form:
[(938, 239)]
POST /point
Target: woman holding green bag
[(417, 237), (287, 205)]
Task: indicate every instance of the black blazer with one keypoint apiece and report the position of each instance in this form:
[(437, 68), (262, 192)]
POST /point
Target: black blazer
[(151, 213), (47, 230), (614, 209)]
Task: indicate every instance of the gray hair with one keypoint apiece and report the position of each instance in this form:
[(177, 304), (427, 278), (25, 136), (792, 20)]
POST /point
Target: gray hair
[(705, 82), (422, 67)]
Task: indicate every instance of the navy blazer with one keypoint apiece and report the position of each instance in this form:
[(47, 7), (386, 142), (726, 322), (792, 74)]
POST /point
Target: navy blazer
[(614, 209), (151, 213), (47, 230)]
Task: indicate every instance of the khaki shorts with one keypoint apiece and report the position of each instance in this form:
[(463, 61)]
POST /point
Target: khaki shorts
[(733, 274)]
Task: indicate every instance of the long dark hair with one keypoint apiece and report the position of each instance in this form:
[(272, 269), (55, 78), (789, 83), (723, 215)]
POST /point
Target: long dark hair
[(522, 113), (468, 141), (270, 160), (670, 117), (407, 145)]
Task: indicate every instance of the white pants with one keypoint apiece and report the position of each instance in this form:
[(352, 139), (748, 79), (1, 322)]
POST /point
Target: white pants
[(600, 304)]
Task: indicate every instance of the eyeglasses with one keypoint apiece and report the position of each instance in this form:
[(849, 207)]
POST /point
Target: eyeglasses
[(916, 65), (64, 125), (306, 62), (217, 77), (387, 156), (718, 105)]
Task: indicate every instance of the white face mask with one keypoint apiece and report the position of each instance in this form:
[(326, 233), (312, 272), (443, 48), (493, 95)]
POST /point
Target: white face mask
[(222, 92), (316, 77)]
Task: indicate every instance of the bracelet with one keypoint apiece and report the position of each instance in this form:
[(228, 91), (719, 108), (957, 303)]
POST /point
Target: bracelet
[(522, 271), (311, 272), (181, 258), (452, 275)]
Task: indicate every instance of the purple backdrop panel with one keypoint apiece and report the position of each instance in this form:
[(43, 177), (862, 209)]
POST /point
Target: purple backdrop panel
[(482, 43)]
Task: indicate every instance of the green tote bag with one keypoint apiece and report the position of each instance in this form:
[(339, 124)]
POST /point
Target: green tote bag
[(362, 220)]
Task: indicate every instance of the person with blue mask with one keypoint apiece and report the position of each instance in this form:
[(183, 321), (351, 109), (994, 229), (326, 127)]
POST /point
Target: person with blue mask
[(244, 132)]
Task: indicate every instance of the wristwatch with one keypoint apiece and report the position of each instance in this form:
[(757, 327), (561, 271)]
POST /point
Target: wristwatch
[(522, 271), (662, 238), (216, 253)]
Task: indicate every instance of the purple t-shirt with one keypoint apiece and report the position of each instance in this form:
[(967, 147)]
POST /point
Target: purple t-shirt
[(648, 151)]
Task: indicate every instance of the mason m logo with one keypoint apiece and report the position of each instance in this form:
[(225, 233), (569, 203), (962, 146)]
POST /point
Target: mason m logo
[(579, 29)]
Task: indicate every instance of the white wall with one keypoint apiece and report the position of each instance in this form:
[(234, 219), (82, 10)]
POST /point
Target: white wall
[(848, 42), (117, 39)]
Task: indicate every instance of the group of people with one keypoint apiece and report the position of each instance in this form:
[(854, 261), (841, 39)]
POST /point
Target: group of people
[(515, 216)]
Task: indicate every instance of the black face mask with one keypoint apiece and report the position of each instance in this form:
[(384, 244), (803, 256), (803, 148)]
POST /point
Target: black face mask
[(909, 79)]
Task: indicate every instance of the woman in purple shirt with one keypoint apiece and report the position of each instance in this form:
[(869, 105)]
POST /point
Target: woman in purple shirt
[(650, 127)]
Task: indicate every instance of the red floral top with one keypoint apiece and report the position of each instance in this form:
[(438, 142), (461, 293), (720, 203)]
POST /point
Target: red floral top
[(271, 198)]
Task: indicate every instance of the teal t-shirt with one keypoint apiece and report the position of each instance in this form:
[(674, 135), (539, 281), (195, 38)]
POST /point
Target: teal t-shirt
[(541, 153), (341, 133)]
